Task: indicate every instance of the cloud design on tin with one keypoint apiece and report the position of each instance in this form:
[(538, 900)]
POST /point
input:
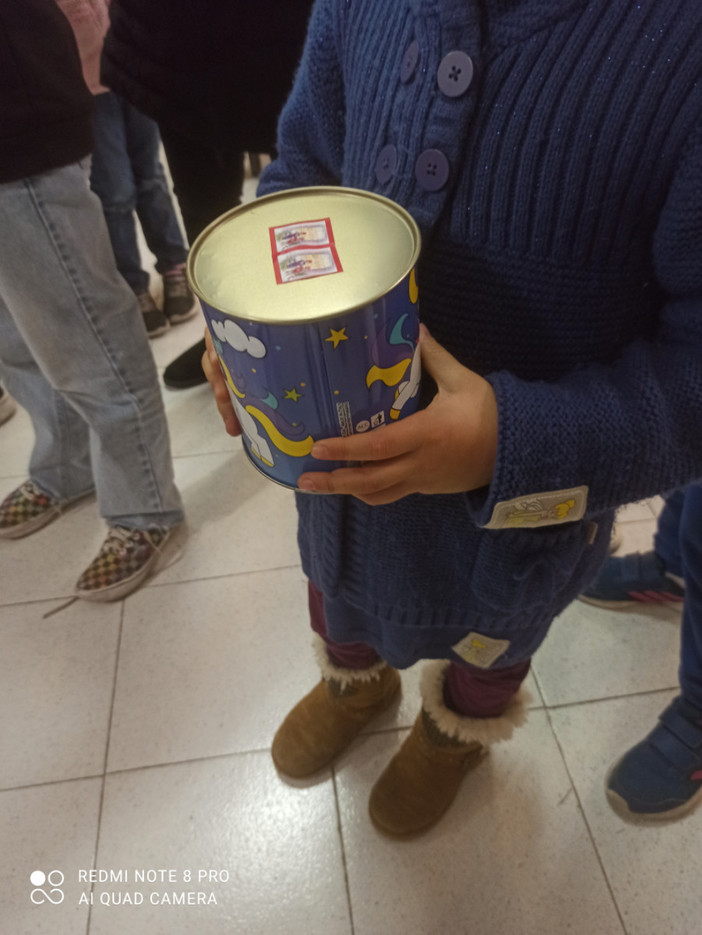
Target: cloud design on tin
[(230, 333)]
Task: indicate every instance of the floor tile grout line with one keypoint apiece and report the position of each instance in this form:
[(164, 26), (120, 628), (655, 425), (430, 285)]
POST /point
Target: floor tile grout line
[(261, 750), (344, 863), (38, 600), (539, 689), (106, 757), (394, 728), (583, 815), (257, 751), (605, 698), (50, 782), (161, 584), (236, 574)]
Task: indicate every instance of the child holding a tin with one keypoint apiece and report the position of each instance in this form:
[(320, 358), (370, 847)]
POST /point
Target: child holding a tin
[(553, 161)]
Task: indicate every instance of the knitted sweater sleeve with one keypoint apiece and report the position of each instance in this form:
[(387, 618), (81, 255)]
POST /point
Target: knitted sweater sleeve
[(632, 429), (311, 128)]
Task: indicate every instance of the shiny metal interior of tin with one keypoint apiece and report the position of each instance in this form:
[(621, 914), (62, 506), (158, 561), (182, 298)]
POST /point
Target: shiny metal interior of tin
[(231, 266)]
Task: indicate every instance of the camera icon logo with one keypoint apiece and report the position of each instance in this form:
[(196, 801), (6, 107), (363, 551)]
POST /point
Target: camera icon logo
[(52, 881)]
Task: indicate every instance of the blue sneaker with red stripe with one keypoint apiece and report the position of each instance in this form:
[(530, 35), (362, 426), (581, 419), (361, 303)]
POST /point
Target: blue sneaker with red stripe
[(626, 580), (661, 777)]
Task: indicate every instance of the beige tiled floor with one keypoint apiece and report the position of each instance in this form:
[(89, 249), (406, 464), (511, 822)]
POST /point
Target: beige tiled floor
[(134, 737)]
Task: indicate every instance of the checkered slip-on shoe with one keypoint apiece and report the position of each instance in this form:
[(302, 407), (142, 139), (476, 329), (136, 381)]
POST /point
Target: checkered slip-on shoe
[(25, 510), (126, 559)]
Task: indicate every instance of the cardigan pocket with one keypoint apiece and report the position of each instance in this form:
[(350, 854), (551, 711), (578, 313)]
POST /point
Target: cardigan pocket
[(320, 538), (517, 571)]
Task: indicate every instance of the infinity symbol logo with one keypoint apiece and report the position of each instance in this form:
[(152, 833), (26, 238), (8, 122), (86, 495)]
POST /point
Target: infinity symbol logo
[(38, 879)]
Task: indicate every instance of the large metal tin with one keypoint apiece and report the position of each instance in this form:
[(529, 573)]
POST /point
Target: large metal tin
[(311, 300)]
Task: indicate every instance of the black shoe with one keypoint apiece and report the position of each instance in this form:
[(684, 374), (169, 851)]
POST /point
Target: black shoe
[(154, 319), (186, 371)]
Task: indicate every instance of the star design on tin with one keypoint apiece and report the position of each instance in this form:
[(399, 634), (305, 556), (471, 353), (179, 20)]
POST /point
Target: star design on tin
[(293, 394), (337, 336)]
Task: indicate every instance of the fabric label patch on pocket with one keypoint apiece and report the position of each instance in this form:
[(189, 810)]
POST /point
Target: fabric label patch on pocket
[(480, 650), (540, 509)]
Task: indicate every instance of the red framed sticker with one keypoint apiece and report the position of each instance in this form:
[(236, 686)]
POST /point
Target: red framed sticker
[(304, 250)]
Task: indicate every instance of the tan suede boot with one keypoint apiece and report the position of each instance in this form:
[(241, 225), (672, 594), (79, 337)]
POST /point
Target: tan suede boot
[(325, 722), (422, 779)]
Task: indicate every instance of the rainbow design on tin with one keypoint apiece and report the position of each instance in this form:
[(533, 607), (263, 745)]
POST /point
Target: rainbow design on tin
[(293, 384), (405, 348)]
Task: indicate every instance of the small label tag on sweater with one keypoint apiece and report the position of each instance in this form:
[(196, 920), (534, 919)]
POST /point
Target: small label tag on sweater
[(540, 509), (480, 650)]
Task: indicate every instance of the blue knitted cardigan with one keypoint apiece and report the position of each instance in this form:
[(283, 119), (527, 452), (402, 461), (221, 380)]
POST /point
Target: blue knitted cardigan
[(562, 260)]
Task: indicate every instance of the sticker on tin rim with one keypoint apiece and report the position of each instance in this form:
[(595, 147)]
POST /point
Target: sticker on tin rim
[(304, 250)]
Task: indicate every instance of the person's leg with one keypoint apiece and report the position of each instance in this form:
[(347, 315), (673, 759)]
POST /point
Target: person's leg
[(59, 465), (482, 693), (467, 690), (154, 205), (464, 711), (207, 181), (690, 673), (80, 321), (661, 776), (344, 655), (356, 685), (112, 180), (653, 577), (60, 460), (666, 541)]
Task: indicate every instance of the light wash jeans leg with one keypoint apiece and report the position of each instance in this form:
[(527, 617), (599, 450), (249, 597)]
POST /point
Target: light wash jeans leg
[(81, 322), (60, 459)]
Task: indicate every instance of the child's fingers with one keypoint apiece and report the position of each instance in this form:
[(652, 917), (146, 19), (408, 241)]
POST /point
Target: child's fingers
[(213, 373), (448, 374), (367, 481), (211, 369), (209, 346), (390, 441)]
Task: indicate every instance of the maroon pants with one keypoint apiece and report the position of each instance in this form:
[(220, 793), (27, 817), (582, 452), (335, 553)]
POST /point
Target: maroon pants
[(468, 690)]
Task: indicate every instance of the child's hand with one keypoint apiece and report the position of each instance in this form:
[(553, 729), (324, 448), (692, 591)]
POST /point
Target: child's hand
[(448, 447), (213, 372)]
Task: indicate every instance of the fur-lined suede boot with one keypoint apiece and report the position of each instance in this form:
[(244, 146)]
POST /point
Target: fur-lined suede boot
[(422, 779), (325, 722)]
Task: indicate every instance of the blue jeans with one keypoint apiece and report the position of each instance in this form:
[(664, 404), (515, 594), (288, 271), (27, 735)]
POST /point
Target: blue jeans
[(678, 543), (75, 354), (127, 176)]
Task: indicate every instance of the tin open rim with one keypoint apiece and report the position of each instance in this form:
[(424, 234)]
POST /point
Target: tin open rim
[(307, 190)]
